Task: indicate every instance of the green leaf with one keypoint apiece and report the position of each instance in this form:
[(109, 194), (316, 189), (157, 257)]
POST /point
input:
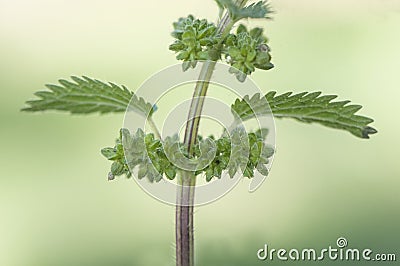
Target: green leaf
[(309, 108), (256, 10), (228, 4), (117, 168), (170, 173), (85, 95), (109, 153)]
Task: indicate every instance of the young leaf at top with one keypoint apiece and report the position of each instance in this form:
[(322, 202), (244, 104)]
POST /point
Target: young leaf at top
[(307, 107), (86, 95), (256, 10)]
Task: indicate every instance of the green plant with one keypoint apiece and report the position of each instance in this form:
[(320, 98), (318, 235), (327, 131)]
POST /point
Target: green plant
[(245, 50)]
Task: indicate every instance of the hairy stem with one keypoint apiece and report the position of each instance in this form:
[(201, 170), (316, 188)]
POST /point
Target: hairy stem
[(187, 181), (184, 219)]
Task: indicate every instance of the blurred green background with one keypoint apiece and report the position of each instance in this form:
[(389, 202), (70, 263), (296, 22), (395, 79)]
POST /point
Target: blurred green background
[(56, 206)]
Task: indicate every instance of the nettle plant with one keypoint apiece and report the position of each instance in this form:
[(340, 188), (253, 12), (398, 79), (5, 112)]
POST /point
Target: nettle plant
[(245, 50)]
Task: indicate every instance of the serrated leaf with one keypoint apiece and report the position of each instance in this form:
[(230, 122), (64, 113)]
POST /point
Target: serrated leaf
[(308, 108), (85, 95), (256, 10)]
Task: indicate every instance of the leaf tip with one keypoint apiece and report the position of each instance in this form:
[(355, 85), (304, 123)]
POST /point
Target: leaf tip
[(368, 131)]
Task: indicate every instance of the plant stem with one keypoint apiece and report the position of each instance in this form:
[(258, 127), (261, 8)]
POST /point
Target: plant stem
[(153, 127), (184, 219), (187, 180)]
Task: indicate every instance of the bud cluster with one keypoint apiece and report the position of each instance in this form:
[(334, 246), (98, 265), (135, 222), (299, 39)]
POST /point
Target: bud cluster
[(237, 151), (198, 40)]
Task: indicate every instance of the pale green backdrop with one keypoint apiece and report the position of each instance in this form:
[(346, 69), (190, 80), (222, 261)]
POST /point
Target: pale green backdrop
[(56, 206)]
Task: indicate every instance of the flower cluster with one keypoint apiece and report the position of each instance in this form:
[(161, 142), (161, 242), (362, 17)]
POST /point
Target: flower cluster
[(155, 158), (141, 150), (240, 151), (246, 51), (198, 40), (194, 38), (117, 155)]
